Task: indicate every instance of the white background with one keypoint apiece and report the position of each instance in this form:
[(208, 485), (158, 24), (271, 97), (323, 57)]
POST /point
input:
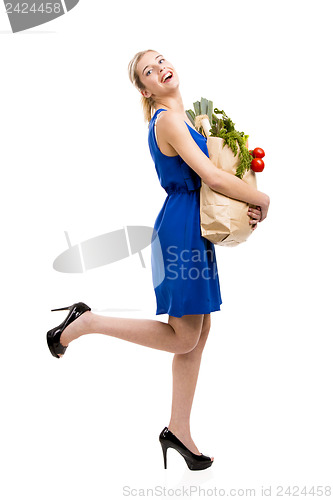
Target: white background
[(74, 157)]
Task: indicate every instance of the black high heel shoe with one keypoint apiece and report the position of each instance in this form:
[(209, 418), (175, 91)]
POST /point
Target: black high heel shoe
[(53, 336), (193, 461)]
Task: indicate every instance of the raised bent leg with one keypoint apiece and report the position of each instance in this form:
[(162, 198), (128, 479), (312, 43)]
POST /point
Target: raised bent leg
[(177, 337)]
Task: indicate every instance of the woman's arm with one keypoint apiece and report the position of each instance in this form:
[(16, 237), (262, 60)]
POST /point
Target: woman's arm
[(234, 187), (174, 130)]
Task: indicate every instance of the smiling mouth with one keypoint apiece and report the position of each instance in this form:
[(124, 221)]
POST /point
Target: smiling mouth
[(167, 77)]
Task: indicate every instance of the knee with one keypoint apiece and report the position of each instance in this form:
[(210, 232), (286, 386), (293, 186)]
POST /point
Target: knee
[(199, 346), (187, 344), (190, 333)]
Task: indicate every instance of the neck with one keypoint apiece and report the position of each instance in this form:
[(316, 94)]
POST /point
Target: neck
[(173, 102)]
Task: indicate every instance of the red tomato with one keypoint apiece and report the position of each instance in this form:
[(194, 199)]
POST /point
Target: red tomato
[(251, 152), (258, 153), (257, 165)]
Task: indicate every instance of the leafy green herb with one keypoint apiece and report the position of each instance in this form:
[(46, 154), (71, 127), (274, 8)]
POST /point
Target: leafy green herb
[(224, 127)]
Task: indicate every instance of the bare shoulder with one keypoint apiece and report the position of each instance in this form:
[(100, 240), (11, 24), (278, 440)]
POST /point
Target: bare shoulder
[(170, 116), (171, 122)]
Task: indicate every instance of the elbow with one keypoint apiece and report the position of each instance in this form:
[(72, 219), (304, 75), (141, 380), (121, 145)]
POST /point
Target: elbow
[(215, 183), (222, 182), (215, 180)]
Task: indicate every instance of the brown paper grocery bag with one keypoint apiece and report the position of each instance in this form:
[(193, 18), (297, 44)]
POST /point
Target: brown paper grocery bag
[(224, 221)]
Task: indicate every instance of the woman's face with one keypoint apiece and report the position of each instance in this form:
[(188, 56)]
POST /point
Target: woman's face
[(157, 74)]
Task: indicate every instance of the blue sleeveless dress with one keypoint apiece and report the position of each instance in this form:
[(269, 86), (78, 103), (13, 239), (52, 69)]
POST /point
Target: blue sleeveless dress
[(184, 268)]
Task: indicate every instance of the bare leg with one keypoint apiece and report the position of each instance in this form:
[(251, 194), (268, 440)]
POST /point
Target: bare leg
[(180, 337), (185, 370), (185, 336)]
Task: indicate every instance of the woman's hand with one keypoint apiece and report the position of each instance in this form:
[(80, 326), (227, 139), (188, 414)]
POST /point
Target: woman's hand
[(258, 213), (255, 214), (264, 208)]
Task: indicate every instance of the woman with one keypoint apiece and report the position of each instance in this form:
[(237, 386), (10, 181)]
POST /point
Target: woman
[(181, 160)]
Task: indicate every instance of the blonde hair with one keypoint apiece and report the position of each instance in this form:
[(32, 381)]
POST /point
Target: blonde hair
[(148, 103)]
